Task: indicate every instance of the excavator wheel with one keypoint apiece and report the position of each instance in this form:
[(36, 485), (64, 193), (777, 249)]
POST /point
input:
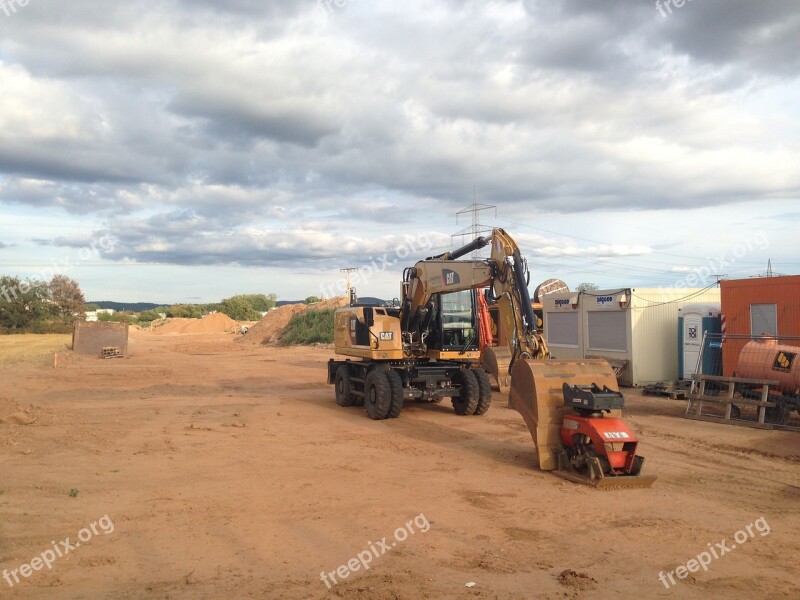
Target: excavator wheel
[(484, 392), (344, 387), (377, 394), (469, 394), (396, 385)]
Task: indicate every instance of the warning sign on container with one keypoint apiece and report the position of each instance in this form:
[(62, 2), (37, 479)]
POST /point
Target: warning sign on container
[(784, 362)]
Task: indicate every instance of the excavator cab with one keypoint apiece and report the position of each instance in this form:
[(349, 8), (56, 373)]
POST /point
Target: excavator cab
[(453, 324)]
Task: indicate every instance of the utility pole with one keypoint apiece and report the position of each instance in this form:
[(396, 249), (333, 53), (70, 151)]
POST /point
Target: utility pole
[(476, 228), (351, 293), (769, 273)]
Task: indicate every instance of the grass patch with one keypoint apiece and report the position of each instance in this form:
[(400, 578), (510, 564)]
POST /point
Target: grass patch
[(22, 348), (309, 327)]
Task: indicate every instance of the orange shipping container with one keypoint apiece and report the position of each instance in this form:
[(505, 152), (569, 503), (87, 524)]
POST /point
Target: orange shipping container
[(753, 307)]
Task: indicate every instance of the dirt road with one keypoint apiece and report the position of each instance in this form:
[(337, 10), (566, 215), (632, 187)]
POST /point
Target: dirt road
[(227, 471)]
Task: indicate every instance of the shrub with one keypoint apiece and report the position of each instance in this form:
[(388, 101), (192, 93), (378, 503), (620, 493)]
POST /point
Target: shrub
[(309, 327)]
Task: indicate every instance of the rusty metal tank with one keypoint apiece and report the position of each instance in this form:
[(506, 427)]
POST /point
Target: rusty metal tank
[(766, 359)]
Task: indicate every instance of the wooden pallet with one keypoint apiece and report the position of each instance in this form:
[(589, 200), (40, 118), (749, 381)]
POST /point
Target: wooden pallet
[(694, 408), (676, 390)]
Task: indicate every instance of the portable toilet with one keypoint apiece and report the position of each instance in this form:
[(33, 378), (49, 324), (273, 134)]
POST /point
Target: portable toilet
[(694, 321)]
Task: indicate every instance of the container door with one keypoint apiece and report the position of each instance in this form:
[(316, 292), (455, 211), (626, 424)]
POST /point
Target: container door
[(692, 343)]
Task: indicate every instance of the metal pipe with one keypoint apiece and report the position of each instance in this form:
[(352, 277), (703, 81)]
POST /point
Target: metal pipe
[(476, 244), (524, 296)]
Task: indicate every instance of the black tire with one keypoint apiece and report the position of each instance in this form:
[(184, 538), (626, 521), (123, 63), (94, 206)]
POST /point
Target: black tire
[(396, 385), (467, 400), (377, 394), (484, 392), (344, 387)]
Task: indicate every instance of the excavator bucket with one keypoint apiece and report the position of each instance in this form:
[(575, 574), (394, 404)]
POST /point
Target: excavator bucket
[(537, 393), (495, 360)]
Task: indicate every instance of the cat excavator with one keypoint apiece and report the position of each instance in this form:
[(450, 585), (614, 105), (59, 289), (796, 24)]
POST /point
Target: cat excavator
[(426, 347)]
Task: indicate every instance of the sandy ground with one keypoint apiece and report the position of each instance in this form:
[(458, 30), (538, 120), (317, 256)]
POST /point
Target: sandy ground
[(228, 471)]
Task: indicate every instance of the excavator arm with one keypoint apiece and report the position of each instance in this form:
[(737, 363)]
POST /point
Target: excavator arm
[(504, 273)]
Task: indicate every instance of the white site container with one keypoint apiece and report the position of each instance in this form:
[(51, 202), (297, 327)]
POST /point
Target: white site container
[(632, 327)]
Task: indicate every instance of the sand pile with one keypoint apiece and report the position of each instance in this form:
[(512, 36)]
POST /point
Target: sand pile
[(269, 329), (170, 325), (214, 323)]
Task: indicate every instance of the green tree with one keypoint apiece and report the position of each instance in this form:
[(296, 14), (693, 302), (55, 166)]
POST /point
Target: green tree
[(586, 287), (313, 300), (239, 308), (260, 302), (147, 317), (66, 299), (117, 317), (22, 303), (185, 311)]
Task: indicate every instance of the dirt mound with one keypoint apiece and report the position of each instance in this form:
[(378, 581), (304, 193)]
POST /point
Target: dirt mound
[(337, 302), (213, 323), (573, 579), (10, 413), (164, 326), (268, 329)]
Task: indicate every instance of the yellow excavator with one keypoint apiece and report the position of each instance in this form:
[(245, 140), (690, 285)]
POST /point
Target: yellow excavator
[(426, 347)]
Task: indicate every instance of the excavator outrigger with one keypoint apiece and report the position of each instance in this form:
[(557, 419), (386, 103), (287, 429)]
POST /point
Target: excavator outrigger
[(428, 348)]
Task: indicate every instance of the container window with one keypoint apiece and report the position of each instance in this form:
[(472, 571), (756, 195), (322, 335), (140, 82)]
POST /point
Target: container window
[(764, 319), (608, 331), (562, 329)]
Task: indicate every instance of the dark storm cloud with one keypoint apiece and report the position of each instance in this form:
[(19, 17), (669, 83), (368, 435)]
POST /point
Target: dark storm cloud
[(229, 117), (196, 130), (761, 37)]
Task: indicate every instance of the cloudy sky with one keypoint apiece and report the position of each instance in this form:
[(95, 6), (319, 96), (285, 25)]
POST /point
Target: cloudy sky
[(187, 150)]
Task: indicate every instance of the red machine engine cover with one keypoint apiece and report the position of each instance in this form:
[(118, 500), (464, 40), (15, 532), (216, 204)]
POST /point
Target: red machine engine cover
[(603, 432)]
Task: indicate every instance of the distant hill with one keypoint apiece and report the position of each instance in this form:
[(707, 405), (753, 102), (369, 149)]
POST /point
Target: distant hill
[(361, 300), (142, 306), (127, 306)]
